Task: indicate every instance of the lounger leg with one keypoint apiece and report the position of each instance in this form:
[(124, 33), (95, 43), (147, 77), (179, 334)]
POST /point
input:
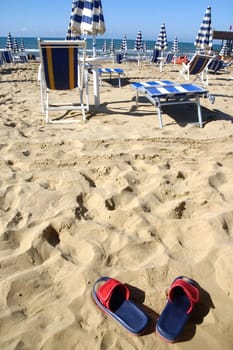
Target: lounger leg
[(137, 98), (160, 116), (199, 112), (119, 80)]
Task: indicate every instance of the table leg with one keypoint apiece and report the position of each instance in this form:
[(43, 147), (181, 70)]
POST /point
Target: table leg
[(96, 88)]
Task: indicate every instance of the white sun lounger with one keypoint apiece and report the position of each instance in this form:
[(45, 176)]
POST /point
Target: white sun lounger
[(110, 71), (164, 92)]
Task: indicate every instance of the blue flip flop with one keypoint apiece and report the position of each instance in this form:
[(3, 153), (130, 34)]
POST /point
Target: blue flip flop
[(183, 294), (112, 297)]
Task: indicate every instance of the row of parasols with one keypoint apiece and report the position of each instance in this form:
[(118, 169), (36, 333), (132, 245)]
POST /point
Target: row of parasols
[(87, 19), (140, 45), (13, 45)]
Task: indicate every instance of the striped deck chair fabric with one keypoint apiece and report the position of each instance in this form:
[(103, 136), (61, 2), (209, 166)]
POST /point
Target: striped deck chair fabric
[(169, 57), (215, 65), (62, 68), (7, 57), (156, 54), (198, 67)]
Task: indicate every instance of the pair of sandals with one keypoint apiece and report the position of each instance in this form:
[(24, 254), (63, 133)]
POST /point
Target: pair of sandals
[(113, 297)]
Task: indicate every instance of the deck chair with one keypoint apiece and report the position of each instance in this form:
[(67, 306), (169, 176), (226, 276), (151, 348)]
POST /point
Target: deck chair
[(169, 58), (215, 65), (156, 54), (62, 68), (7, 57), (198, 67)]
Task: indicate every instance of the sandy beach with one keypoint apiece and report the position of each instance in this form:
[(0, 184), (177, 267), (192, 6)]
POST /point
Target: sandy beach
[(116, 196)]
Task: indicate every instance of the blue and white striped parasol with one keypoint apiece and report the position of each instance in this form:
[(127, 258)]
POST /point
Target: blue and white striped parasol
[(204, 38), (161, 43), (104, 49), (70, 35), (87, 18), (224, 49), (124, 46), (144, 46), (9, 42), (112, 47), (22, 47), (175, 46), (15, 46), (138, 45)]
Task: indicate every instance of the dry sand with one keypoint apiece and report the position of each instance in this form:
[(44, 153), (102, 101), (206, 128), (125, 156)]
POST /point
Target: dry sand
[(115, 196)]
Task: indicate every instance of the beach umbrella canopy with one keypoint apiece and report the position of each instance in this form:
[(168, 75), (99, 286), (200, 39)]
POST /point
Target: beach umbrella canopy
[(9, 42), (204, 38), (161, 43), (70, 35), (138, 42), (175, 45), (87, 18)]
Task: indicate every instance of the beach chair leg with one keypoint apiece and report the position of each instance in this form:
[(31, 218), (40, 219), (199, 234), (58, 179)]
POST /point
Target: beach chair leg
[(47, 108), (137, 98), (160, 116), (119, 79), (199, 112)]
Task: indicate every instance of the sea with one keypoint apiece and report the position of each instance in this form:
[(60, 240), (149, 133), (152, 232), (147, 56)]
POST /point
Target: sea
[(31, 46)]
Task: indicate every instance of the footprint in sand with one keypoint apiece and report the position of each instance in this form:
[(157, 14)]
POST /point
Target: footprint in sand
[(224, 271), (152, 254)]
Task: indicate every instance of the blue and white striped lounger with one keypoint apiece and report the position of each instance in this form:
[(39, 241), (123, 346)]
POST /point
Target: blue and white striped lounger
[(164, 92), (110, 71)]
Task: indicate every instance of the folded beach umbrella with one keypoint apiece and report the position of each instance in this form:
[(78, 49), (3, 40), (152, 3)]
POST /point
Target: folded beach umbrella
[(144, 46), (138, 45), (9, 42), (71, 35), (104, 49), (224, 49), (204, 38), (175, 46), (161, 43), (87, 18), (124, 46), (112, 47), (15, 46), (22, 47)]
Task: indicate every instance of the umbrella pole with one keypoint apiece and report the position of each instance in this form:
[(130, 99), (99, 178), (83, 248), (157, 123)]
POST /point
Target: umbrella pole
[(161, 62), (94, 46), (95, 75)]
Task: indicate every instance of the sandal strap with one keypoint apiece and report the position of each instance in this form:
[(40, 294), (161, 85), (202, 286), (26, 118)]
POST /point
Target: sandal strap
[(105, 291), (190, 290)]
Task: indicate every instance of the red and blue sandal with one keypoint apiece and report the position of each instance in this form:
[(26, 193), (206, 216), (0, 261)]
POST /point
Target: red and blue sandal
[(183, 294), (112, 297)]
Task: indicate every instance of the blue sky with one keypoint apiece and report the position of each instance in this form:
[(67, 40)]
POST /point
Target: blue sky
[(50, 17)]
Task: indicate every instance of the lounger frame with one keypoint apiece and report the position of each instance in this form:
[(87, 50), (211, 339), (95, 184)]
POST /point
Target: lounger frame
[(164, 93)]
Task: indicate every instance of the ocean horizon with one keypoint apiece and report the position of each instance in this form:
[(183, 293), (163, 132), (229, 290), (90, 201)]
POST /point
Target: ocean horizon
[(30, 44)]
